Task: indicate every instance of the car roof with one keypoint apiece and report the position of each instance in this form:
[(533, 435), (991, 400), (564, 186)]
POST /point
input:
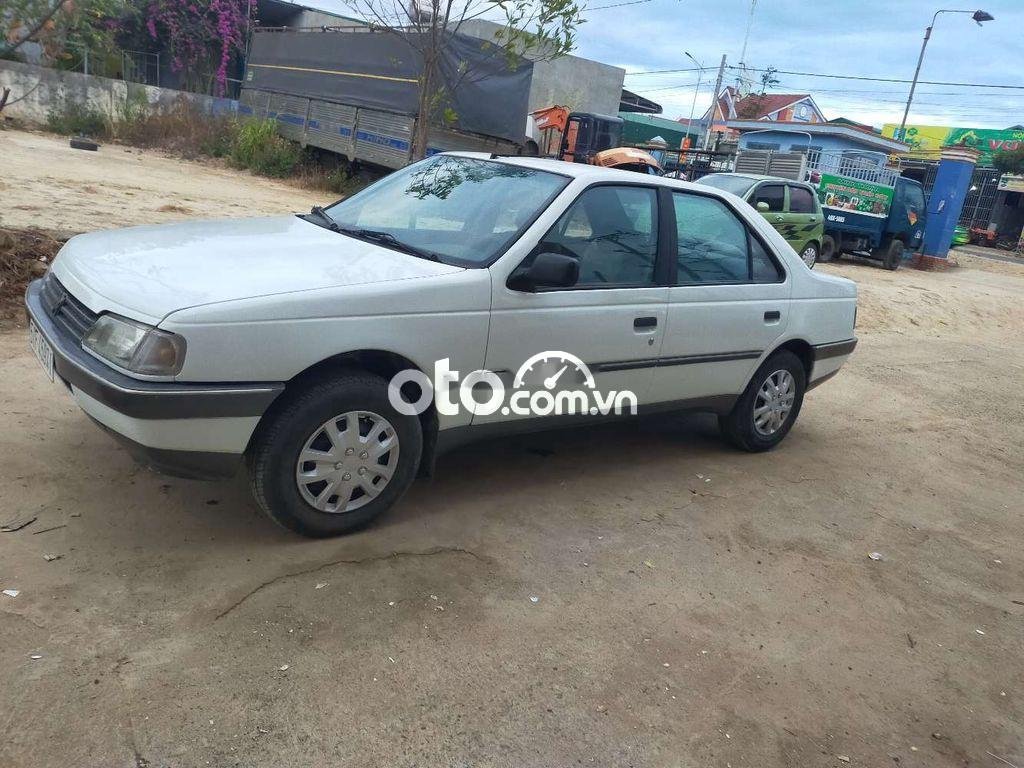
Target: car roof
[(589, 173), (759, 177)]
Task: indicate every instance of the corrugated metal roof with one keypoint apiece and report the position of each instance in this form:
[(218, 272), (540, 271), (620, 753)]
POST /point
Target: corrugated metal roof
[(638, 129)]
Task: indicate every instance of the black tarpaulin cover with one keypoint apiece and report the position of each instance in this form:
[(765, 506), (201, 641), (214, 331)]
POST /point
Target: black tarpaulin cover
[(485, 91)]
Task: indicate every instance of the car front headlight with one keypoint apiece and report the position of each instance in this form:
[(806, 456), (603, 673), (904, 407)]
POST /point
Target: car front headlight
[(135, 346)]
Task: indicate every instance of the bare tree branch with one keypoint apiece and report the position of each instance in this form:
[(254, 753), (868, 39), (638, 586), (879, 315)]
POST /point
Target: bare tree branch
[(35, 29)]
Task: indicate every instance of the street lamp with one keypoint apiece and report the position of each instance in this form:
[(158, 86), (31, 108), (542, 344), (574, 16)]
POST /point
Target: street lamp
[(978, 16), (700, 74)]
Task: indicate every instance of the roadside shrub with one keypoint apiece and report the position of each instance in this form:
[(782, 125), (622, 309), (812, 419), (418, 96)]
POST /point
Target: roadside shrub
[(73, 119), (179, 127), (258, 147)]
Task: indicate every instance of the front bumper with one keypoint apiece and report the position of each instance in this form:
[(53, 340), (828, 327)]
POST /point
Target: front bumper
[(193, 430)]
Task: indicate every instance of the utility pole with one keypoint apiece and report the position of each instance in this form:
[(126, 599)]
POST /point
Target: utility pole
[(693, 105), (978, 16), (714, 102)]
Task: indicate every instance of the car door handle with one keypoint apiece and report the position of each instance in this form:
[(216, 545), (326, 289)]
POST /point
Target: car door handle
[(642, 323), (772, 316), (778, 218)]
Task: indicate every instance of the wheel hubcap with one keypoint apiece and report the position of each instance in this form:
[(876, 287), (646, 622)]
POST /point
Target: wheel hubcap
[(774, 402), (347, 461), (810, 256)]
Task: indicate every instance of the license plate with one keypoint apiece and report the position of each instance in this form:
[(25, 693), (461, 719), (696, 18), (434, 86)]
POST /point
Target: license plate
[(41, 348)]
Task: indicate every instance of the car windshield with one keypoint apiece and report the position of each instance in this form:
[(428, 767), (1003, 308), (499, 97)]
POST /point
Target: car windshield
[(463, 210), (738, 185)]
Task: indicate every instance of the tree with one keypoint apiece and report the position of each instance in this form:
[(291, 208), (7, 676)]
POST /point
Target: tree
[(541, 30), (202, 36), (57, 25), (1009, 161)]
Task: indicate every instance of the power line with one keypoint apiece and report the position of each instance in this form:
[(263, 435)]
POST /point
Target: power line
[(882, 79), (618, 5), (662, 71)]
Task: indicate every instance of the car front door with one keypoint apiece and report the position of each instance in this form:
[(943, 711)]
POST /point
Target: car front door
[(727, 306), (769, 199), (612, 320)]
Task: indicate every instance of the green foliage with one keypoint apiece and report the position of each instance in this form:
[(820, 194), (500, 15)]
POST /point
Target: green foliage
[(1009, 161), (73, 119), (259, 148), (545, 29), (63, 28)]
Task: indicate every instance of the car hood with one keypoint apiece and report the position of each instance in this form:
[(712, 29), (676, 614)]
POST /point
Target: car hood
[(148, 272)]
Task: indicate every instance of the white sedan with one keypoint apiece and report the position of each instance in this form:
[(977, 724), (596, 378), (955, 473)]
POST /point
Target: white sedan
[(340, 352)]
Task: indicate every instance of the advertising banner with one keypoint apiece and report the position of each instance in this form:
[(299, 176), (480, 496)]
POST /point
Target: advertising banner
[(845, 194), (927, 140)]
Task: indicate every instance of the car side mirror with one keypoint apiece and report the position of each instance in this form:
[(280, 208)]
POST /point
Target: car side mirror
[(548, 270), (762, 207)]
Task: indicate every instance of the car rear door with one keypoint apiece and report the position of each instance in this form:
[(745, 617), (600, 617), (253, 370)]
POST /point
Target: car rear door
[(802, 220), (728, 303)]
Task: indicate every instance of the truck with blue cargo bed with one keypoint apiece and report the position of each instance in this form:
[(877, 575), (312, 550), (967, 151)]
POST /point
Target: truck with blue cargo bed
[(868, 208)]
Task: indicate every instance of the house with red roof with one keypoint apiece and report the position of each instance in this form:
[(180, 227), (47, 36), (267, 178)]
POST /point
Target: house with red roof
[(770, 107)]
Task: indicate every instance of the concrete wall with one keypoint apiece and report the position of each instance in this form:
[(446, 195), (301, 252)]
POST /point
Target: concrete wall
[(44, 89), (572, 81)]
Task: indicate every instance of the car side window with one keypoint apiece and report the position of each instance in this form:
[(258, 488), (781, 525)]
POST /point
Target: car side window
[(801, 200), (612, 232), (762, 268), (714, 246), (773, 194)]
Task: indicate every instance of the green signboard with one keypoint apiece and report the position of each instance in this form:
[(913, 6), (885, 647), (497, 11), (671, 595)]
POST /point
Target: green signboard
[(927, 140), (842, 193)]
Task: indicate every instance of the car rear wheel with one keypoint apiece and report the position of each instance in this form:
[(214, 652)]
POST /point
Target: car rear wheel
[(809, 255), (769, 406), (335, 456)]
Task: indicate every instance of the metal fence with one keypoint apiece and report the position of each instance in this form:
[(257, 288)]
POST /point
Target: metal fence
[(981, 196), (132, 66), (146, 68), (853, 163)]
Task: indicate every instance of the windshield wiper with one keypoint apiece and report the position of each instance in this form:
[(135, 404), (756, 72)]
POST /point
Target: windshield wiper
[(386, 238), (325, 217)]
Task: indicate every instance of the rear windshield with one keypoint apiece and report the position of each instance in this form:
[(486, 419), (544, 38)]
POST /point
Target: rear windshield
[(738, 185), (464, 210)]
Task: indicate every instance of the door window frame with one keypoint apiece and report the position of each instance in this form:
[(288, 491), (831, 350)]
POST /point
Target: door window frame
[(785, 196), (664, 260), (790, 186), (752, 235)]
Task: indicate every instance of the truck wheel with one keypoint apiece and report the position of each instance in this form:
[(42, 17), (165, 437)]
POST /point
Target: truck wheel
[(769, 405), (828, 249), (892, 256), (335, 456)]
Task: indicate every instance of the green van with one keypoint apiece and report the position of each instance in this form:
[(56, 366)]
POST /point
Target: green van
[(791, 207)]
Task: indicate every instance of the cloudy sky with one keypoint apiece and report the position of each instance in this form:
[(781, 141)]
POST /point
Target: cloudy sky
[(871, 38)]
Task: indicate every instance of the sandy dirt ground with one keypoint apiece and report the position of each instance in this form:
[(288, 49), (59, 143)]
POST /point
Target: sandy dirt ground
[(44, 183), (695, 606)]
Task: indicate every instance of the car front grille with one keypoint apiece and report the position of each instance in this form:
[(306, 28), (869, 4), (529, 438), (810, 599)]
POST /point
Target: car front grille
[(67, 312)]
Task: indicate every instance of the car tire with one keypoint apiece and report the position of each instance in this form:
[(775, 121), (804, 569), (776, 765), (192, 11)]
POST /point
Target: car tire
[(285, 488), (744, 426), (892, 255), (828, 249), (80, 142), (809, 255)]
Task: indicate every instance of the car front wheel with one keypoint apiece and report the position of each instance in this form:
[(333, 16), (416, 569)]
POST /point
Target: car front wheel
[(769, 406), (336, 455)]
